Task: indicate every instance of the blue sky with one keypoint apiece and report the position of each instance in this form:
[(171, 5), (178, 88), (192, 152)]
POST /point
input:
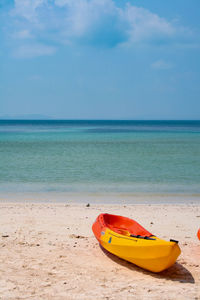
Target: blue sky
[(100, 59)]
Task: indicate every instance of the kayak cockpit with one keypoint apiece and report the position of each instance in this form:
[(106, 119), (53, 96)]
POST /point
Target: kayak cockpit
[(125, 226)]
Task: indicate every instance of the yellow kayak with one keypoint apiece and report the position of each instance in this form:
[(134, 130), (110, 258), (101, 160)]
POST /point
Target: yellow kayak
[(130, 241)]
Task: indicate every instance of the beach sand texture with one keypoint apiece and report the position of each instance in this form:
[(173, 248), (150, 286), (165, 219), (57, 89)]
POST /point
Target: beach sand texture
[(48, 251)]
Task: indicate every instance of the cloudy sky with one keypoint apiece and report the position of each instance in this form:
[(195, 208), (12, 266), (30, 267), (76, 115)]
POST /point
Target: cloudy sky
[(100, 59)]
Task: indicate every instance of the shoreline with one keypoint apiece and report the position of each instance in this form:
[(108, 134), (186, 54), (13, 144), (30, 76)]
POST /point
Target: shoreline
[(101, 198)]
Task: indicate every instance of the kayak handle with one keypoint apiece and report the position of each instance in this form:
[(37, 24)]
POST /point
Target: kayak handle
[(142, 237)]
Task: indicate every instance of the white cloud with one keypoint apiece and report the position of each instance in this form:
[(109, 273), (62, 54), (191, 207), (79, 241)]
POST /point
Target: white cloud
[(145, 25), (27, 8), (161, 65), (23, 34), (29, 51), (92, 22)]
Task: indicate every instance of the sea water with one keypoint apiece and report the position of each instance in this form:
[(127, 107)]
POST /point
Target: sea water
[(46, 156)]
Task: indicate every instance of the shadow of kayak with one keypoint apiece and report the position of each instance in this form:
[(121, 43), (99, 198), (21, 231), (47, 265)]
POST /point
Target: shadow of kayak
[(177, 272)]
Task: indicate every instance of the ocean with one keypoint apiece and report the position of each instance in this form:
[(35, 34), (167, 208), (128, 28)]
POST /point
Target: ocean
[(100, 157)]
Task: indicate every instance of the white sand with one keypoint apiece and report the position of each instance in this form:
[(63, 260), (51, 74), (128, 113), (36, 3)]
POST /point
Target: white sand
[(48, 251)]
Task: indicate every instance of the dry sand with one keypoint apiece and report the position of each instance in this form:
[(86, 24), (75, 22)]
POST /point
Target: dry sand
[(48, 251)]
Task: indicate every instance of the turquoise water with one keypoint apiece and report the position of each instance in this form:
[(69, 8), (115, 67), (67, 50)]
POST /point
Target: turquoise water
[(100, 156)]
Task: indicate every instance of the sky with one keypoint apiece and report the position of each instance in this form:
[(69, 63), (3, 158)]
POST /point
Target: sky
[(100, 59)]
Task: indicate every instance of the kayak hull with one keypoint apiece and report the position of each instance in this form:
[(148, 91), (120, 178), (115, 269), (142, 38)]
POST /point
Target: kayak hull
[(150, 253)]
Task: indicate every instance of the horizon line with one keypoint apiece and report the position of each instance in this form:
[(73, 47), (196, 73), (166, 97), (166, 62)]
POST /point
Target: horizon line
[(65, 119)]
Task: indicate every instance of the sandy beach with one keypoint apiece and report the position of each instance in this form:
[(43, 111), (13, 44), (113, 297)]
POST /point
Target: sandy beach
[(48, 251)]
